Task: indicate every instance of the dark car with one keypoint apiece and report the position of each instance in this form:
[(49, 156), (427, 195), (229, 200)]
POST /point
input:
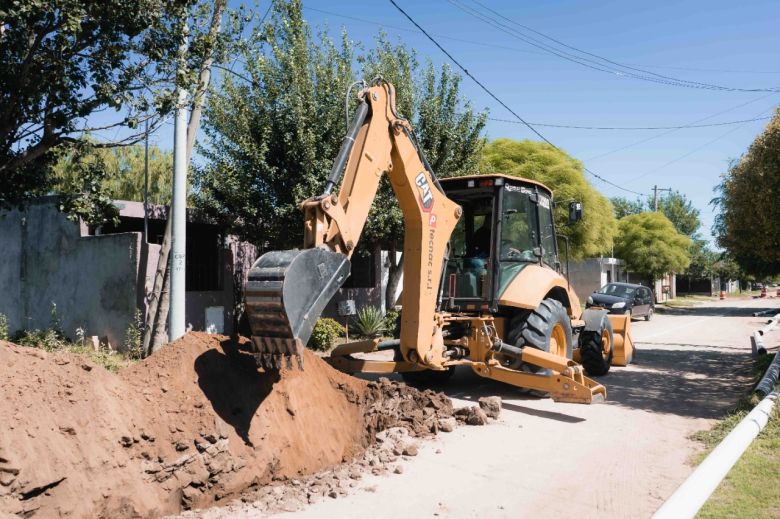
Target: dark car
[(624, 298)]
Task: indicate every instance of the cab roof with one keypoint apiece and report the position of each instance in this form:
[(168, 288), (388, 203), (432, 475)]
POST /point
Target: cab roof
[(508, 178)]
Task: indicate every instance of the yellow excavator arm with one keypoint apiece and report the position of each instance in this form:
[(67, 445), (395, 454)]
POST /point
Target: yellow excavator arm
[(287, 290)]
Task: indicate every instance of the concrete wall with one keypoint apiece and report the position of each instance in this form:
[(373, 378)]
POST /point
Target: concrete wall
[(93, 280)]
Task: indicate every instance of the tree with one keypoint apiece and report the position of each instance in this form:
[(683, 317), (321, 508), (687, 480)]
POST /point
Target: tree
[(748, 210), (680, 211), (274, 132), (122, 175), (624, 207), (651, 246), (565, 176), (75, 67)]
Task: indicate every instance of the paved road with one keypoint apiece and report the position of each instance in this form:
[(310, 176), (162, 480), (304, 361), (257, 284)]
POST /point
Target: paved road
[(542, 459)]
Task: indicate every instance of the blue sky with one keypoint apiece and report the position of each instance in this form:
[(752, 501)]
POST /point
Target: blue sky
[(731, 44)]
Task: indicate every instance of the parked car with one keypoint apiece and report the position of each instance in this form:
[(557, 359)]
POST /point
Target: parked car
[(624, 298)]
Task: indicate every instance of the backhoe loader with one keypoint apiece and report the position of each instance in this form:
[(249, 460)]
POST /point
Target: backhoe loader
[(482, 282)]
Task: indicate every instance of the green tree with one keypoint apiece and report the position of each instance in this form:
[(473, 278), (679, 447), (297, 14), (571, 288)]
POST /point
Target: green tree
[(64, 61), (624, 207), (748, 210), (274, 132), (680, 211), (122, 175), (565, 176), (651, 246)]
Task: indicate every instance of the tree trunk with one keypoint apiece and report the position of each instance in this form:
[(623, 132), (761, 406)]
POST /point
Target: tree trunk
[(160, 313), (153, 313), (395, 271), (161, 323)]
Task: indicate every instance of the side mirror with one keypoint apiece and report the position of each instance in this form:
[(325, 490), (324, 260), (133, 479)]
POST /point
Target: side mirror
[(575, 212)]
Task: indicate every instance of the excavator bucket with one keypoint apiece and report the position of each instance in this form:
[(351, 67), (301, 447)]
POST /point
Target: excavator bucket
[(286, 291), (622, 342)]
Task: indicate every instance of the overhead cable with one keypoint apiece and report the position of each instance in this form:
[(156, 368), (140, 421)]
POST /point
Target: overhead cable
[(499, 101)]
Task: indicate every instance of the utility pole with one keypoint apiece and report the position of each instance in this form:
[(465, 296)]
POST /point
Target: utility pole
[(656, 189), (176, 318)]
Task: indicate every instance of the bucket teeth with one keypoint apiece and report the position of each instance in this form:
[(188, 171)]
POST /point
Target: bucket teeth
[(274, 353)]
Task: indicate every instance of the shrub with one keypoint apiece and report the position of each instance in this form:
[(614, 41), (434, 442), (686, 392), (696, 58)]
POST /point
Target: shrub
[(325, 333), (134, 337), (3, 327), (391, 320), (49, 340), (370, 322)]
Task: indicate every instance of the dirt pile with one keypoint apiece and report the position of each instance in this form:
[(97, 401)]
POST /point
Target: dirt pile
[(195, 423)]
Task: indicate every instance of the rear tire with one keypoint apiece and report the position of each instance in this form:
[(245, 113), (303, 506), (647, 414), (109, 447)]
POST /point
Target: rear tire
[(649, 314), (546, 328), (597, 349)]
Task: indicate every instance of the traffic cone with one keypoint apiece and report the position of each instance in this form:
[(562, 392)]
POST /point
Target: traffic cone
[(723, 294)]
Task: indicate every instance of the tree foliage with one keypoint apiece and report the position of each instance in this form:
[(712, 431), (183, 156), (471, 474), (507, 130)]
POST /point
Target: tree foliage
[(680, 211), (122, 174), (594, 234), (650, 245), (274, 133), (71, 67), (747, 222), (624, 207)]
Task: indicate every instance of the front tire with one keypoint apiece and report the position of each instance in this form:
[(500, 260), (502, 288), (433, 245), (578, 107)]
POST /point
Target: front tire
[(548, 328), (596, 349)]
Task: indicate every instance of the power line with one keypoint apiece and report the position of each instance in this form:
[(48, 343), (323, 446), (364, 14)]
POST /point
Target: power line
[(691, 152), (405, 29), (667, 132), (569, 126), (499, 101), (603, 64), (529, 51)]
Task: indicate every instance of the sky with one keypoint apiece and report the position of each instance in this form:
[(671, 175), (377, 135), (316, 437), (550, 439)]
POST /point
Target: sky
[(727, 44)]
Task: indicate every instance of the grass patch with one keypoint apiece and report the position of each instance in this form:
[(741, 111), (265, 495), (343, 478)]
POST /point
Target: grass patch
[(53, 341), (752, 487)]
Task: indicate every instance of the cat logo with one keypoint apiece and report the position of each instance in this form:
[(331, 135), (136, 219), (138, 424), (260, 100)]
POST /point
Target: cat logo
[(426, 197)]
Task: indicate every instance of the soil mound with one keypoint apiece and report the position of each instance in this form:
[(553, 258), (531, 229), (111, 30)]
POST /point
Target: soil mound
[(193, 423)]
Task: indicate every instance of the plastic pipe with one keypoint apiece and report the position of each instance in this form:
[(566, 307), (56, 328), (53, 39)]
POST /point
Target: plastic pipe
[(769, 379), (694, 492)]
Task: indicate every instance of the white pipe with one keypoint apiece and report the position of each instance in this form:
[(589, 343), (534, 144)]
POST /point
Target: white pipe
[(694, 492), (176, 318)]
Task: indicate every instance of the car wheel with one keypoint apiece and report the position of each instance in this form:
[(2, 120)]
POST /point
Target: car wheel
[(596, 350), (629, 313), (649, 314)]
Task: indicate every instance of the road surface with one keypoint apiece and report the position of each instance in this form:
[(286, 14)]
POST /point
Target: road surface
[(542, 459)]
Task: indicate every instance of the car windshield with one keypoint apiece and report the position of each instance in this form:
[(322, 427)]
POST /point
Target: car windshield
[(617, 290)]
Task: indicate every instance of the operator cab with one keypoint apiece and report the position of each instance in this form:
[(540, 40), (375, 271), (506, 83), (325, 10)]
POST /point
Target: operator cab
[(507, 224)]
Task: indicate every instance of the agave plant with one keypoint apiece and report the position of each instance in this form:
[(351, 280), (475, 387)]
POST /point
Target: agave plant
[(370, 322)]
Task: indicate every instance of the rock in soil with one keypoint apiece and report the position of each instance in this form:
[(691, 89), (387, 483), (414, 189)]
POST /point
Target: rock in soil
[(491, 405), (471, 415)]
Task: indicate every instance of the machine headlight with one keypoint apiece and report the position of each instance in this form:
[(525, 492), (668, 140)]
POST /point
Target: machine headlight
[(589, 301), (621, 304)]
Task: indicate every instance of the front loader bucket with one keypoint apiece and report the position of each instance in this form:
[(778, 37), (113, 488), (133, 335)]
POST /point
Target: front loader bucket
[(286, 291), (622, 342)]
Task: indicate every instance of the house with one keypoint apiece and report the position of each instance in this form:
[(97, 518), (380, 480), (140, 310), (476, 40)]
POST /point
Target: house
[(98, 278)]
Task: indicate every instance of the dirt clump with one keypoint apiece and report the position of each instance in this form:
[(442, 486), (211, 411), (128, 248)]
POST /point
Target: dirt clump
[(194, 424)]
